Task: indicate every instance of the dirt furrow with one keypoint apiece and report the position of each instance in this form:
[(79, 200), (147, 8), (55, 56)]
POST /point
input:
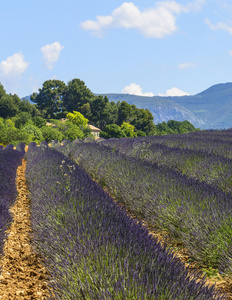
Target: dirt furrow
[(22, 276)]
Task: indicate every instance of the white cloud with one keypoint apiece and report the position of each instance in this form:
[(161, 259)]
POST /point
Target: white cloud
[(174, 92), (186, 65), (51, 54), (14, 66), (218, 26), (230, 52), (135, 89), (155, 22), (99, 24)]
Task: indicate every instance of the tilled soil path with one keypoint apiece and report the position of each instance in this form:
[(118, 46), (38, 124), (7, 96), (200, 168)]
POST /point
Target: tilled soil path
[(22, 275)]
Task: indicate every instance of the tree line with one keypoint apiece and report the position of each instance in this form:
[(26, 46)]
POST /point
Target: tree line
[(22, 120), (55, 99)]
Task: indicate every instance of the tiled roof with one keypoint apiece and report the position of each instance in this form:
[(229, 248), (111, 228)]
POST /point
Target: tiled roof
[(94, 128)]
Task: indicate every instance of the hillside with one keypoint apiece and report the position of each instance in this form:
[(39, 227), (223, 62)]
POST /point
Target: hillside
[(213, 105), (210, 109), (162, 109)]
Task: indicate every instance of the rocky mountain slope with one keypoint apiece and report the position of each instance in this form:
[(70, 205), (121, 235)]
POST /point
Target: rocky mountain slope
[(210, 109)]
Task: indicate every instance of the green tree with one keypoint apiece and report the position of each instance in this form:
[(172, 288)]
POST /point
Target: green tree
[(175, 126), (39, 121), (77, 96), (73, 132), (188, 127), (34, 132), (126, 113), (112, 130), (70, 130), (140, 133), (180, 127), (113, 113), (2, 122), (128, 129), (144, 121), (26, 106), (21, 119), (9, 123), (77, 118), (50, 134), (16, 100), (87, 132), (49, 100), (8, 108), (10, 134), (85, 109), (10, 105), (103, 112), (21, 136), (163, 129), (2, 91)]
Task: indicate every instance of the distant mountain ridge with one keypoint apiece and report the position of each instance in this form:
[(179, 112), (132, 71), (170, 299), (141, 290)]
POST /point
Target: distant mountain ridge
[(162, 109), (210, 109)]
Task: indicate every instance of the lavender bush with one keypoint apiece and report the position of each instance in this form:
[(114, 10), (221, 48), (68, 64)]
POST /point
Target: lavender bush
[(32, 145), (21, 148), (92, 247), (196, 163), (9, 147), (211, 141)]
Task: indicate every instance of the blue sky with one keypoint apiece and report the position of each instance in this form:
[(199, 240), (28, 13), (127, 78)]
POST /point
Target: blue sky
[(142, 47)]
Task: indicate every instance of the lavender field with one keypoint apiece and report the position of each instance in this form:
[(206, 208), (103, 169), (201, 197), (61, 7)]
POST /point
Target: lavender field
[(181, 184), (92, 248), (84, 194)]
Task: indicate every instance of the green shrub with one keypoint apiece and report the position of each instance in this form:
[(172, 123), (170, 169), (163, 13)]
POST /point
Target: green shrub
[(49, 133), (73, 133), (34, 132), (39, 121)]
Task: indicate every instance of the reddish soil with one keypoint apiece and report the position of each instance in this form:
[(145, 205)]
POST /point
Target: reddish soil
[(23, 276)]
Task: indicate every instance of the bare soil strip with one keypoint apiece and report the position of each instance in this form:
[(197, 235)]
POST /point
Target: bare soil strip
[(22, 276)]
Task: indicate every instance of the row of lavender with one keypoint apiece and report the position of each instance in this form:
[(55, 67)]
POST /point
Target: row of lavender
[(195, 213), (197, 163), (93, 249), (9, 161), (211, 141)]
